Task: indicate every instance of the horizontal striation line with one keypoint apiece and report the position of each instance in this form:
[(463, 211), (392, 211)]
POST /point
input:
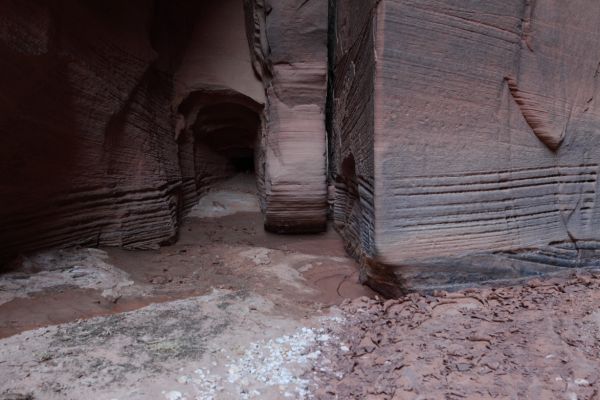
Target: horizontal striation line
[(499, 187)]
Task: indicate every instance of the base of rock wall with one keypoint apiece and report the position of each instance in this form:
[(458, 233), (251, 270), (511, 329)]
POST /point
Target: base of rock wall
[(485, 269)]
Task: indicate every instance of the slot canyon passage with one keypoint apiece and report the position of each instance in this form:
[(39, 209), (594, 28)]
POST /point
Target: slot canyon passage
[(304, 199)]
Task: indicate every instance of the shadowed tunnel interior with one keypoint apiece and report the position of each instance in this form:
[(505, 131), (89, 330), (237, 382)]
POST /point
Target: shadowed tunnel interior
[(224, 126), (229, 130)]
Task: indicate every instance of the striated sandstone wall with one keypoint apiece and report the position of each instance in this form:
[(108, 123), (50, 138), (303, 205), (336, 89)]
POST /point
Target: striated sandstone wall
[(87, 150), (106, 114), (115, 117), (352, 126), (485, 138), (289, 42), (463, 143)]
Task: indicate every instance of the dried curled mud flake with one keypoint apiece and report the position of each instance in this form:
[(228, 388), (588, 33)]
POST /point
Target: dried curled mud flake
[(365, 346), (474, 352)]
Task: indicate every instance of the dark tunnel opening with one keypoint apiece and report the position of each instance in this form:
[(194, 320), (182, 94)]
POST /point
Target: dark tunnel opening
[(224, 127), (243, 164)]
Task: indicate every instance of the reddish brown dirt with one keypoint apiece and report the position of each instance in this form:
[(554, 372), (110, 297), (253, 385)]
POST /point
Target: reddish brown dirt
[(55, 307), (537, 341), (205, 256)]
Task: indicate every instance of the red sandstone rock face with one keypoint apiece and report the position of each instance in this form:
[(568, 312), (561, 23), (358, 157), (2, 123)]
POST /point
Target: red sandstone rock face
[(483, 124), (289, 39), (352, 159), (87, 151), (463, 145), (97, 146), (115, 117)]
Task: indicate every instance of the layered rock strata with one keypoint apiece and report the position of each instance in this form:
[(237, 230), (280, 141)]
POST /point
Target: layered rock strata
[(472, 129), (114, 117), (87, 152), (289, 42)]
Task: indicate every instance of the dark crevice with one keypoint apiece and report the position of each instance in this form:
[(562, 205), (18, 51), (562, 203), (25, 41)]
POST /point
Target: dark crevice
[(331, 44)]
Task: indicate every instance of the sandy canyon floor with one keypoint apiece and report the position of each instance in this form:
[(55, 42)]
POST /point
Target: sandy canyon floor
[(233, 312)]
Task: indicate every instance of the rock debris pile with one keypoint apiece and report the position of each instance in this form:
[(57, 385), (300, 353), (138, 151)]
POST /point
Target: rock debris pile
[(537, 341)]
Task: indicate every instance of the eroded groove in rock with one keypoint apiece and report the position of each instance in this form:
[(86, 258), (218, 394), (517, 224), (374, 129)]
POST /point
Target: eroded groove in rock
[(352, 143), (535, 116), (464, 210), (527, 23)]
